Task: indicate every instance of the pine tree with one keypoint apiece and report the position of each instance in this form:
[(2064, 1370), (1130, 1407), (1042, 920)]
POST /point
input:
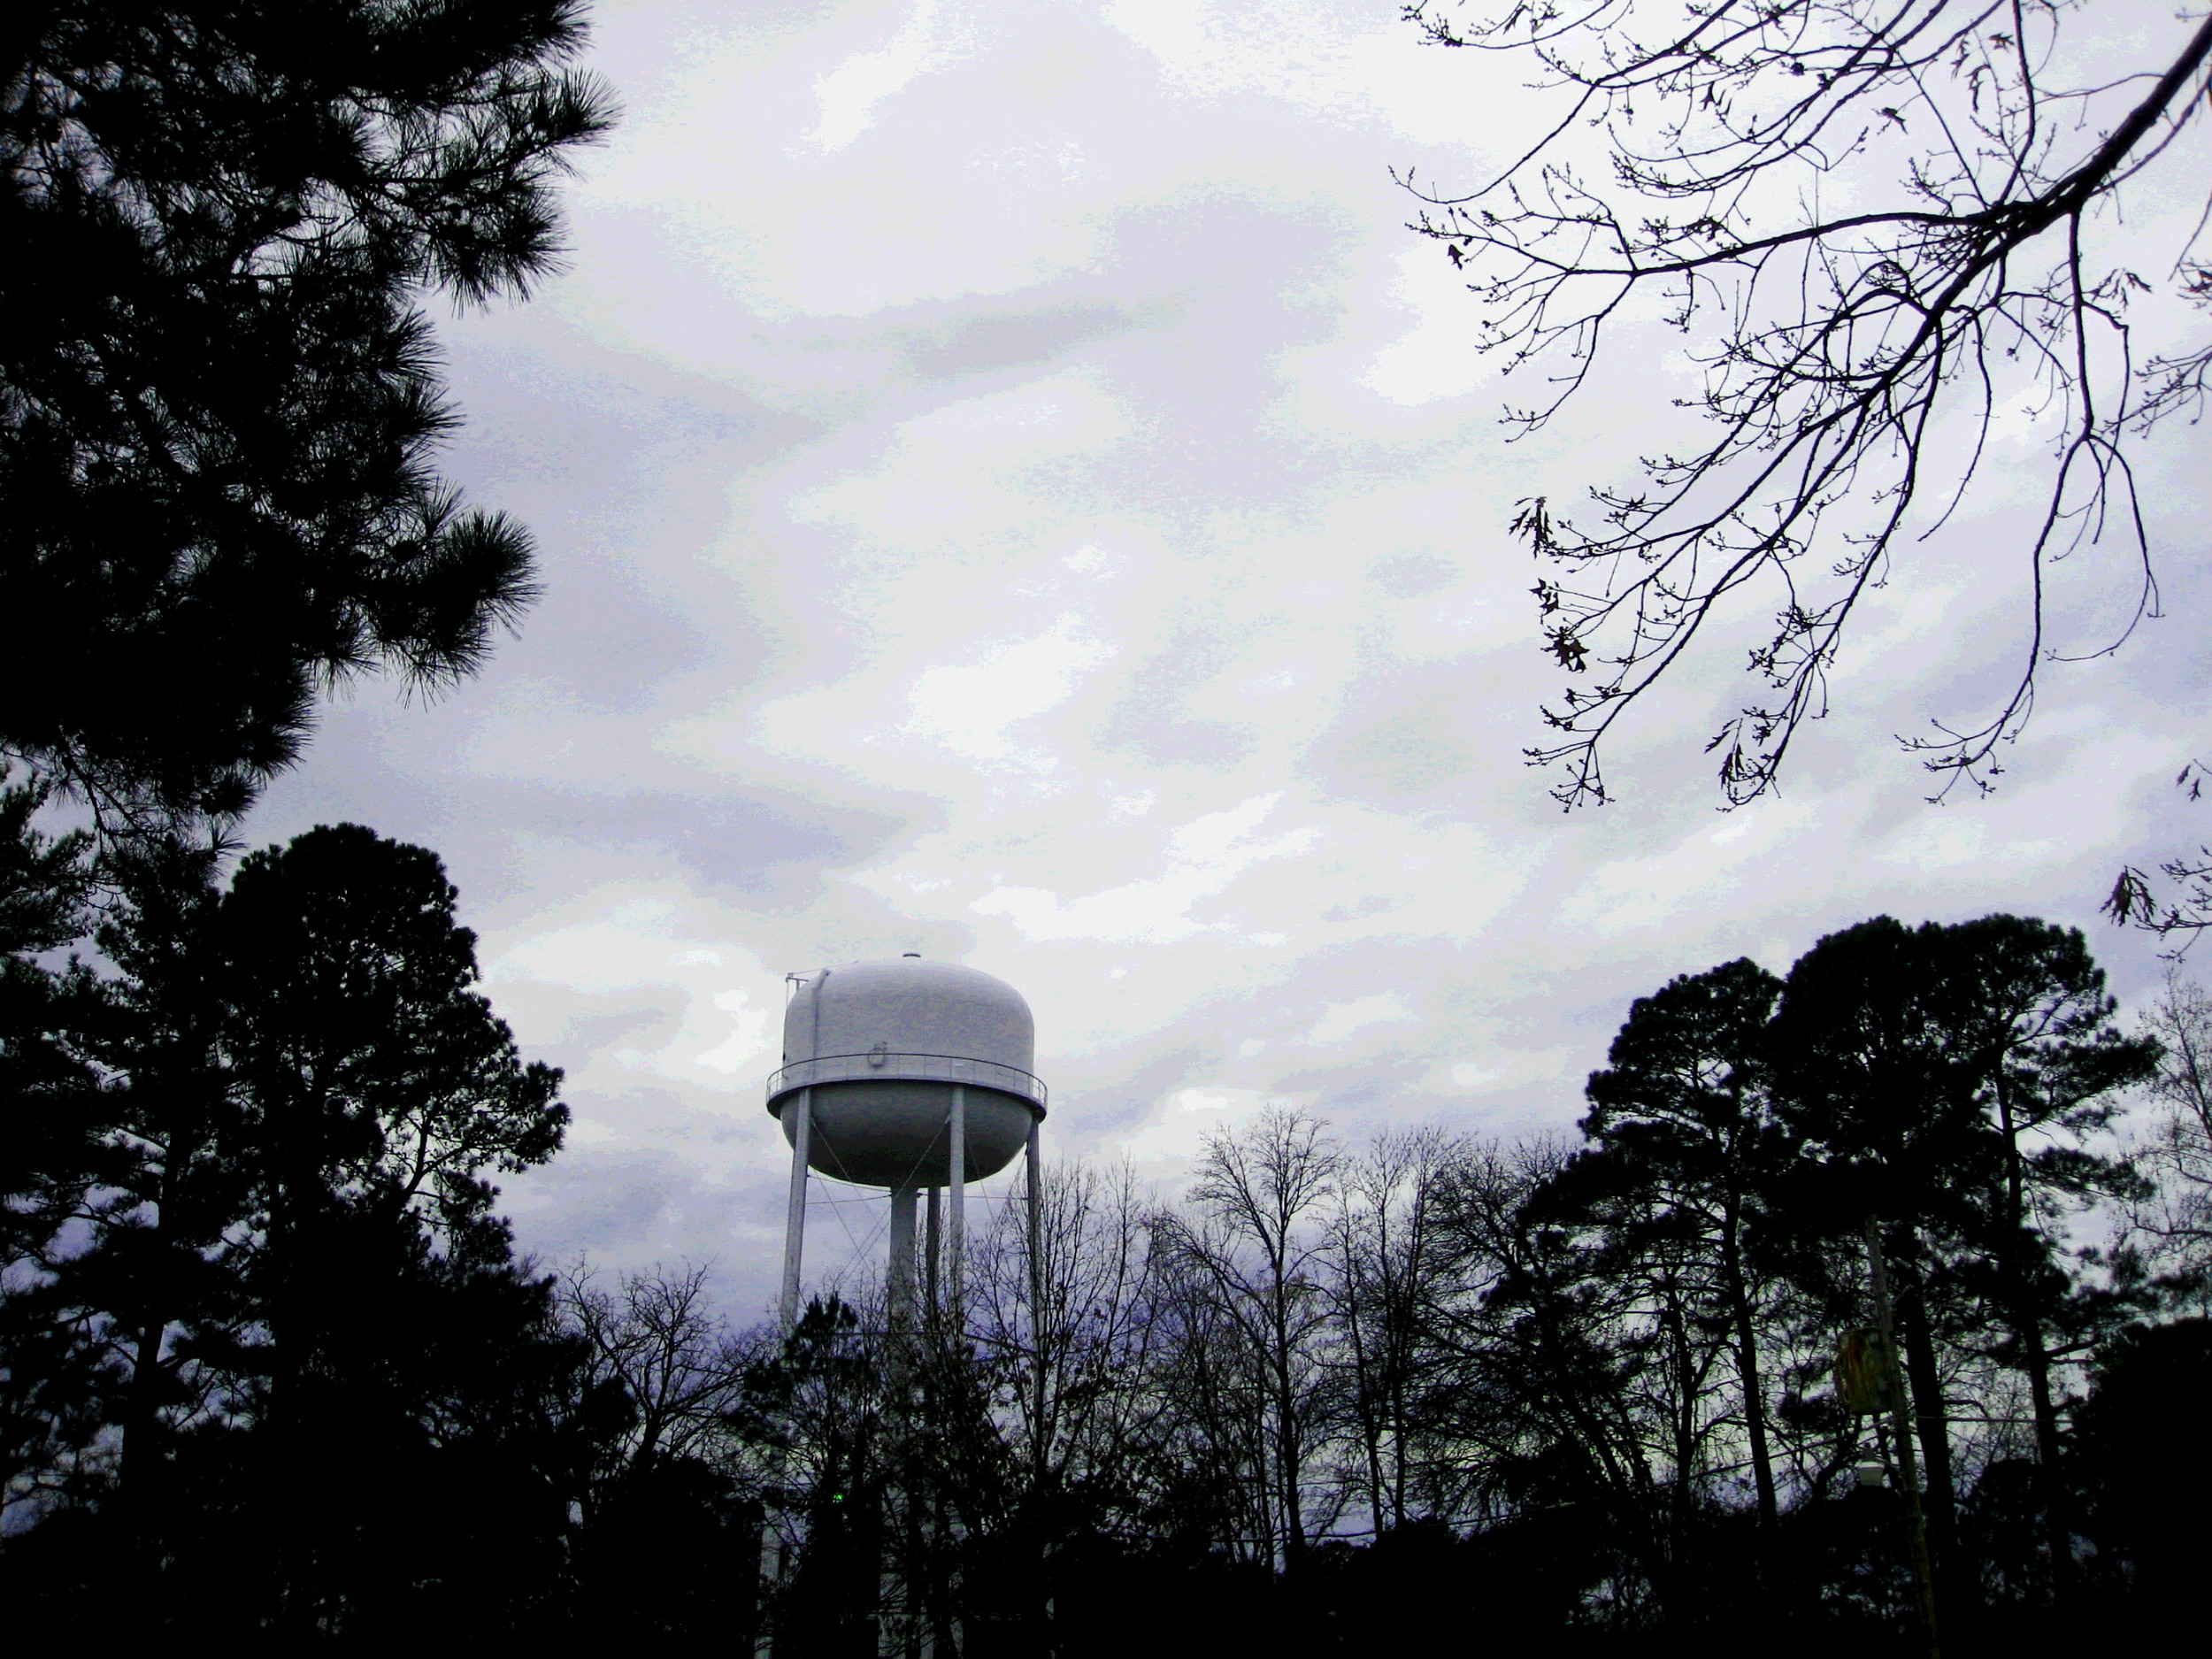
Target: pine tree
[(219, 403), (1685, 1149), (1947, 1077), (340, 1404), (49, 1150)]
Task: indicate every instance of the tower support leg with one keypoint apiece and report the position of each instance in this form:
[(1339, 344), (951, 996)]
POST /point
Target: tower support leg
[(764, 1592), (897, 1597), (958, 1195), (1035, 1197), (899, 1278), (932, 1255), (794, 1208)]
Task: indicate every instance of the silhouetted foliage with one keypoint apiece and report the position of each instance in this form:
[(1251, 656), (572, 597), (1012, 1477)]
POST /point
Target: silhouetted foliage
[(50, 1146), (2145, 1449), (1685, 1156), (218, 405), (1915, 1064), (2175, 1219), (324, 1398)]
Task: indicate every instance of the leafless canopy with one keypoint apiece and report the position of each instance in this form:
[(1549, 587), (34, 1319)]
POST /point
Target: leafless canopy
[(1853, 358)]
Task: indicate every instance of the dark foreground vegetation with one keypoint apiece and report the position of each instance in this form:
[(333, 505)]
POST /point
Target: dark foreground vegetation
[(271, 1369)]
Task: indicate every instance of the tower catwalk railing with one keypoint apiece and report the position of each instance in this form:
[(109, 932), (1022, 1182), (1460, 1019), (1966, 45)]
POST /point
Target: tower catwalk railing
[(876, 1065)]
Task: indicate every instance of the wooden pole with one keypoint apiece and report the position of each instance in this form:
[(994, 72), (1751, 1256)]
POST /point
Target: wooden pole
[(1908, 1470)]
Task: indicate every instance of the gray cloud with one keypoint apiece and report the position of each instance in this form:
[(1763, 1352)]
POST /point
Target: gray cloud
[(990, 341)]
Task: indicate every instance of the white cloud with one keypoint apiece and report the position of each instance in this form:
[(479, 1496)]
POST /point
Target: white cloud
[(968, 708), (928, 44), (711, 1033), (1701, 871), (1203, 859), (1343, 1019), (1175, 1129), (1341, 64), (1437, 357)]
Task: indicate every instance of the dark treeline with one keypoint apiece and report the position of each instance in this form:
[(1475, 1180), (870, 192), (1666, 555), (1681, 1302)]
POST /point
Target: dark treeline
[(271, 1368)]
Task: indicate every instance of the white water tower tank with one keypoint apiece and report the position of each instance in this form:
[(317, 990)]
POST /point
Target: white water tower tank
[(879, 1048)]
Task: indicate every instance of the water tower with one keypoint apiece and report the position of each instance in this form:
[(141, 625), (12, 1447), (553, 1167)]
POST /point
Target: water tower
[(910, 1075)]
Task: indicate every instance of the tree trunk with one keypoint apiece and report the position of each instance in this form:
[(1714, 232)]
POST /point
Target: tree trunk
[(2057, 1519), (1679, 1510), (138, 1466), (1755, 1405), (138, 1460), (1288, 1461), (1370, 1437), (1364, 1389), (1932, 1428), (2027, 1329), (1397, 1443)]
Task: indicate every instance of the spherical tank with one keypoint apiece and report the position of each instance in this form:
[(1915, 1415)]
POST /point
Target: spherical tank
[(879, 1047)]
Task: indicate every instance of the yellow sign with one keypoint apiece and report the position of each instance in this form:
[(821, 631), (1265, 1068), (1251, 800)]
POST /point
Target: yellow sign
[(1864, 1370)]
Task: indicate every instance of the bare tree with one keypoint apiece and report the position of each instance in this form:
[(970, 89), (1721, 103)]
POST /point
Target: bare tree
[(1092, 1425), (1388, 1258), (2185, 910), (1255, 1245), (1856, 354), (1215, 1476), (1552, 1383), (824, 1412), (2179, 1218), (656, 1338)]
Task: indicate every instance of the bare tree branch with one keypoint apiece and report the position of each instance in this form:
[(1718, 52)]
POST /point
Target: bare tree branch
[(1838, 350)]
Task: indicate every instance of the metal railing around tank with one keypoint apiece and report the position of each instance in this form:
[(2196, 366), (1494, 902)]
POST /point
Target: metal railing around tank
[(932, 1068)]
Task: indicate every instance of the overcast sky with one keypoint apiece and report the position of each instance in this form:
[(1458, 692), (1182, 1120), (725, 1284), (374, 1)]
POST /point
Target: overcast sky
[(1008, 486)]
